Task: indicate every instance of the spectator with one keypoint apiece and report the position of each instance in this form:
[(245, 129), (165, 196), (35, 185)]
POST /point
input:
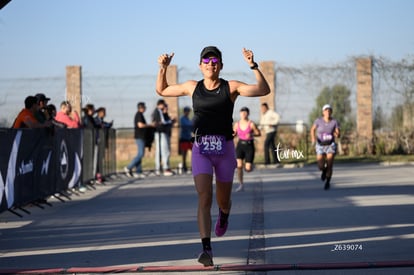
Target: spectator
[(168, 129), (88, 121), (269, 122), (140, 134), (68, 116), (186, 130), (167, 118), (41, 114), (162, 149), (100, 119), (26, 118), (51, 111), (102, 135)]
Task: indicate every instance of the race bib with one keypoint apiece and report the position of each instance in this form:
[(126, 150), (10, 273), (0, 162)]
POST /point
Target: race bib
[(326, 137), (212, 144)]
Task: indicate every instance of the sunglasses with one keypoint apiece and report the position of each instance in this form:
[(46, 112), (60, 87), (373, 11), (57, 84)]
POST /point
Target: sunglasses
[(207, 60)]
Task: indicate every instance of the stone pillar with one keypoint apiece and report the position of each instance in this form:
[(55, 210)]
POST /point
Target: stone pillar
[(364, 105), (173, 109), (268, 70), (74, 87)]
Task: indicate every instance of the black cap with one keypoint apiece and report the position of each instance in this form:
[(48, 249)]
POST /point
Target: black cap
[(41, 97), (210, 49)]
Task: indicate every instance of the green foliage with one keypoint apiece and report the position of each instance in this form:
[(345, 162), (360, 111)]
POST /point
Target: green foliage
[(397, 117), (379, 118), (338, 97)]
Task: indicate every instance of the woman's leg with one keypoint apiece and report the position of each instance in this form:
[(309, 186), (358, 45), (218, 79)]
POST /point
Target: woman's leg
[(328, 169), (223, 195), (204, 187), (240, 170)]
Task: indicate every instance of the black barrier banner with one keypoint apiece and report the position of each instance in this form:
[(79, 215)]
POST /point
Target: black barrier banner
[(68, 147), (43, 173), (89, 141), (100, 152), (26, 185), (36, 163), (10, 141)]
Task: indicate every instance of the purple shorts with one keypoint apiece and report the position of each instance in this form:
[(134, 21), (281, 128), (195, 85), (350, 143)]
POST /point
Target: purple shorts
[(224, 165)]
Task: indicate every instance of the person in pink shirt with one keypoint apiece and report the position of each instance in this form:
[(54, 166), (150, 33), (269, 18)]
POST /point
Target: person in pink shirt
[(246, 130), (67, 116)]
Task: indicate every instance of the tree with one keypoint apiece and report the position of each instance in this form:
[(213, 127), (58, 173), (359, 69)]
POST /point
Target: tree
[(379, 119), (397, 117), (338, 97)]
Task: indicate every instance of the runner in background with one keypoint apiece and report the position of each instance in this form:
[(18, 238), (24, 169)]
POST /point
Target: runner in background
[(326, 129), (246, 130)]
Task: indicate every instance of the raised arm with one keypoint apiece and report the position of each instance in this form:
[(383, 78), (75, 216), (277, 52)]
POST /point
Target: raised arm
[(162, 87), (261, 87), (164, 61)]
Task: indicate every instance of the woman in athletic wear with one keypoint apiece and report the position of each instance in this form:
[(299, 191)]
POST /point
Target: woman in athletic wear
[(327, 129), (246, 130), (213, 148)]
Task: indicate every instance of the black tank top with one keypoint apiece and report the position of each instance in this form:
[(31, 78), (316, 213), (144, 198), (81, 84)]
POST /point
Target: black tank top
[(213, 110)]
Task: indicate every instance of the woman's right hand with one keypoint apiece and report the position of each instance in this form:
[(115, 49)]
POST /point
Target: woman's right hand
[(165, 59)]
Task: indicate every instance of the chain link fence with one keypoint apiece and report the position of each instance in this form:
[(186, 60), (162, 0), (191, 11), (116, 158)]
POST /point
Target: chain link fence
[(297, 88)]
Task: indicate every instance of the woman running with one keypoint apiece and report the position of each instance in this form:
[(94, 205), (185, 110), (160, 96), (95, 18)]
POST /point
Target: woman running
[(213, 148)]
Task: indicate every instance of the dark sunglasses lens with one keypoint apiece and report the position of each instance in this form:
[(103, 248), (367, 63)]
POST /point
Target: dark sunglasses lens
[(207, 60)]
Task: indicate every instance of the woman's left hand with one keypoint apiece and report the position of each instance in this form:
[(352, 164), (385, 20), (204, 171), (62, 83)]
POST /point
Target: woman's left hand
[(248, 56)]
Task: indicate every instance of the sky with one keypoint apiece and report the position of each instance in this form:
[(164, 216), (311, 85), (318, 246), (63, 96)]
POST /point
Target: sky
[(114, 39), (125, 37)]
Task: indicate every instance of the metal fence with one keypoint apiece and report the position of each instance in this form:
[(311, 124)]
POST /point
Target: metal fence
[(296, 90)]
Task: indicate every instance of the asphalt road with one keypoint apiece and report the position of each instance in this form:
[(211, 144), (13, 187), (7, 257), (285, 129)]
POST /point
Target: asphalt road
[(283, 223)]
